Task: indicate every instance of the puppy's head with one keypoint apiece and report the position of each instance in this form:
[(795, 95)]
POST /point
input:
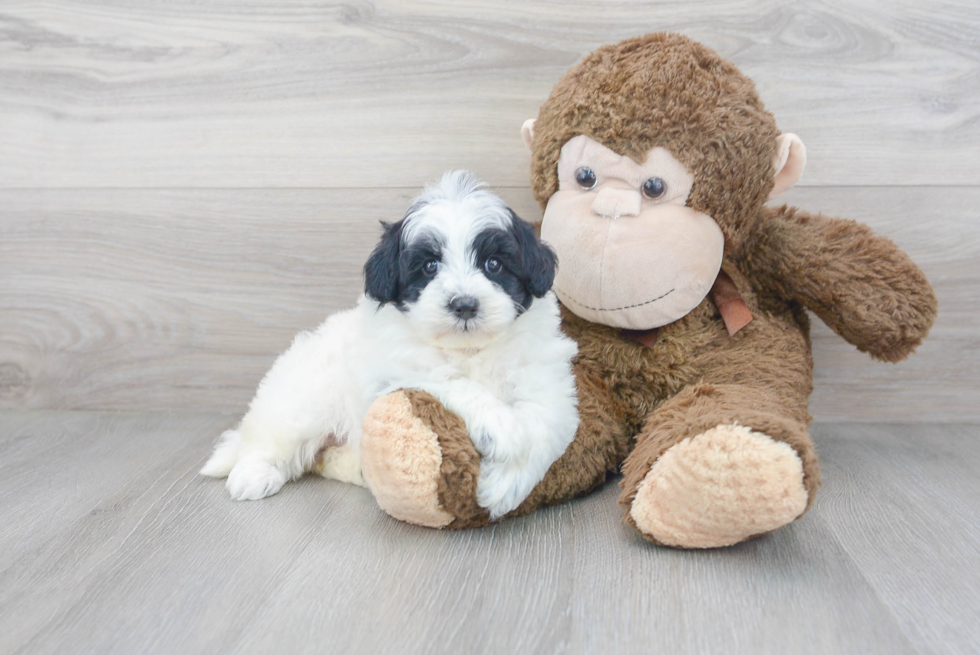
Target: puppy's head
[(461, 265)]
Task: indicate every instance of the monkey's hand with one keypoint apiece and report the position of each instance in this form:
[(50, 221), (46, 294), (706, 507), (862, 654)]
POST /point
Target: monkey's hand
[(861, 285)]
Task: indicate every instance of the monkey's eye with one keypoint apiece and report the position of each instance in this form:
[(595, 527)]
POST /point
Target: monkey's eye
[(654, 188), (493, 266), (585, 177), (430, 267)]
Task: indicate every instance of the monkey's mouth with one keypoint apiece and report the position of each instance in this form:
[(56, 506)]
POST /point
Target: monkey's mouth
[(567, 298)]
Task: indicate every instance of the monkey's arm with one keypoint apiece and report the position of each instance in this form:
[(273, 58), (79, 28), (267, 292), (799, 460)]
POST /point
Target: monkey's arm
[(861, 285)]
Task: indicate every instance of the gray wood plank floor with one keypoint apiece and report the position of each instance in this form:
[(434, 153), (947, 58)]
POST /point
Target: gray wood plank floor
[(113, 544)]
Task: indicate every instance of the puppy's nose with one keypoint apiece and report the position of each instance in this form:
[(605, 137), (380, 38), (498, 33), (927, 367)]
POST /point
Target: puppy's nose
[(613, 203), (464, 307)]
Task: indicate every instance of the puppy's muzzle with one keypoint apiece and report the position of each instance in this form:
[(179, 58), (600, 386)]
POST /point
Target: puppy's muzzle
[(464, 307)]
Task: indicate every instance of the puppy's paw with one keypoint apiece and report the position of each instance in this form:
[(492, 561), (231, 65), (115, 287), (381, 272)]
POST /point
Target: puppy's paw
[(496, 437), (225, 455), (252, 479), (502, 487)]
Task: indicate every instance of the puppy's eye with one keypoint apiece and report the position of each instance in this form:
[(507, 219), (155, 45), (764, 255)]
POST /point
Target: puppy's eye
[(431, 267), (585, 177), (654, 188), (493, 265)]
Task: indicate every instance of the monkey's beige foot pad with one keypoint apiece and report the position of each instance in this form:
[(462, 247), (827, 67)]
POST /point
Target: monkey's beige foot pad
[(719, 488), (401, 461)]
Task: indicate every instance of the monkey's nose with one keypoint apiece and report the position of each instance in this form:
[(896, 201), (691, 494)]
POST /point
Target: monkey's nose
[(464, 307), (613, 203)]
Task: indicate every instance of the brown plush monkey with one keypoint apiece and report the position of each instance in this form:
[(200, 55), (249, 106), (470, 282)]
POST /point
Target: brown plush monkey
[(653, 160)]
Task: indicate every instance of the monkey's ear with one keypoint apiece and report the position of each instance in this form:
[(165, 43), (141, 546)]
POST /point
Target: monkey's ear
[(381, 269), (527, 132), (537, 259), (788, 162)]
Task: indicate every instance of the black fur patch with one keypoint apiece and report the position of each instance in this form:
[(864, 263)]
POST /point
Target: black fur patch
[(381, 269), (528, 265), (393, 273), (412, 279)]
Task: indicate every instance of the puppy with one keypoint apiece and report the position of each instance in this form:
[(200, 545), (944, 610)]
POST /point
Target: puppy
[(457, 303)]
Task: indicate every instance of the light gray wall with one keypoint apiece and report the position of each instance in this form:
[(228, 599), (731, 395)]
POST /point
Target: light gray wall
[(184, 185)]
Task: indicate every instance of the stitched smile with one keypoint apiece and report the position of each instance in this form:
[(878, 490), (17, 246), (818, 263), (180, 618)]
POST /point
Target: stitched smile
[(612, 309)]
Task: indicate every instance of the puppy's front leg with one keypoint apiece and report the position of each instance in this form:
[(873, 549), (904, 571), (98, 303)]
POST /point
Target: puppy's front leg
[(517, 442), (521, 456), (485, 416)]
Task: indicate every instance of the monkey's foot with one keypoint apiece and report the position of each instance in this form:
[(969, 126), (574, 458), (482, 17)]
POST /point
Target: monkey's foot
[(419, 462), (718, 488)]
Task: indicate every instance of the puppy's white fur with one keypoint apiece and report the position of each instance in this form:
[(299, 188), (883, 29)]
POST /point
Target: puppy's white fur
[(505, 372)]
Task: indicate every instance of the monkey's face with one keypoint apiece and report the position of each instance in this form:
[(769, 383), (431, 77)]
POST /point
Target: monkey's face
[(631, 253)]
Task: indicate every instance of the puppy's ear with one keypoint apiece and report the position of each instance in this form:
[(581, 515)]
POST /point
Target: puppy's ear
[(381, 269), (537, 259)]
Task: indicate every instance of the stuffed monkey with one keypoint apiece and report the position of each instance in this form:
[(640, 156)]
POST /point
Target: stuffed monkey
[(653, 160)]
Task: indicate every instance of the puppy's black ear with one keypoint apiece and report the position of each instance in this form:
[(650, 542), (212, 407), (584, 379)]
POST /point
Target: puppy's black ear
[(381, 269), (537, 259)]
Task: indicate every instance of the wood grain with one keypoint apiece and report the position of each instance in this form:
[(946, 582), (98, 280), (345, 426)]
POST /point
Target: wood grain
[(307, 93), (137, 299), (185, 185), (918, 487), (145, 556)]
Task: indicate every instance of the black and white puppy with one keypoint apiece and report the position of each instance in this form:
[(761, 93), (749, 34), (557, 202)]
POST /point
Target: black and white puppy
[(457, 302)]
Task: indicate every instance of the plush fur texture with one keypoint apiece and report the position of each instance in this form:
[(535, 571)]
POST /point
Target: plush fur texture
[(718, 488), (668, 413), (402, 461), (860, 284), (668, 91), (456, 303)]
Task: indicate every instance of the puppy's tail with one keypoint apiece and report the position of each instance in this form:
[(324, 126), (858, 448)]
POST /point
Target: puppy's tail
[(225, 455)]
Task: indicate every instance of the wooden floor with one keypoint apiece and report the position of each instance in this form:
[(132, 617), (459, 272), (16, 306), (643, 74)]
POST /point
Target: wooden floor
[(112, 544), (185, 185)]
